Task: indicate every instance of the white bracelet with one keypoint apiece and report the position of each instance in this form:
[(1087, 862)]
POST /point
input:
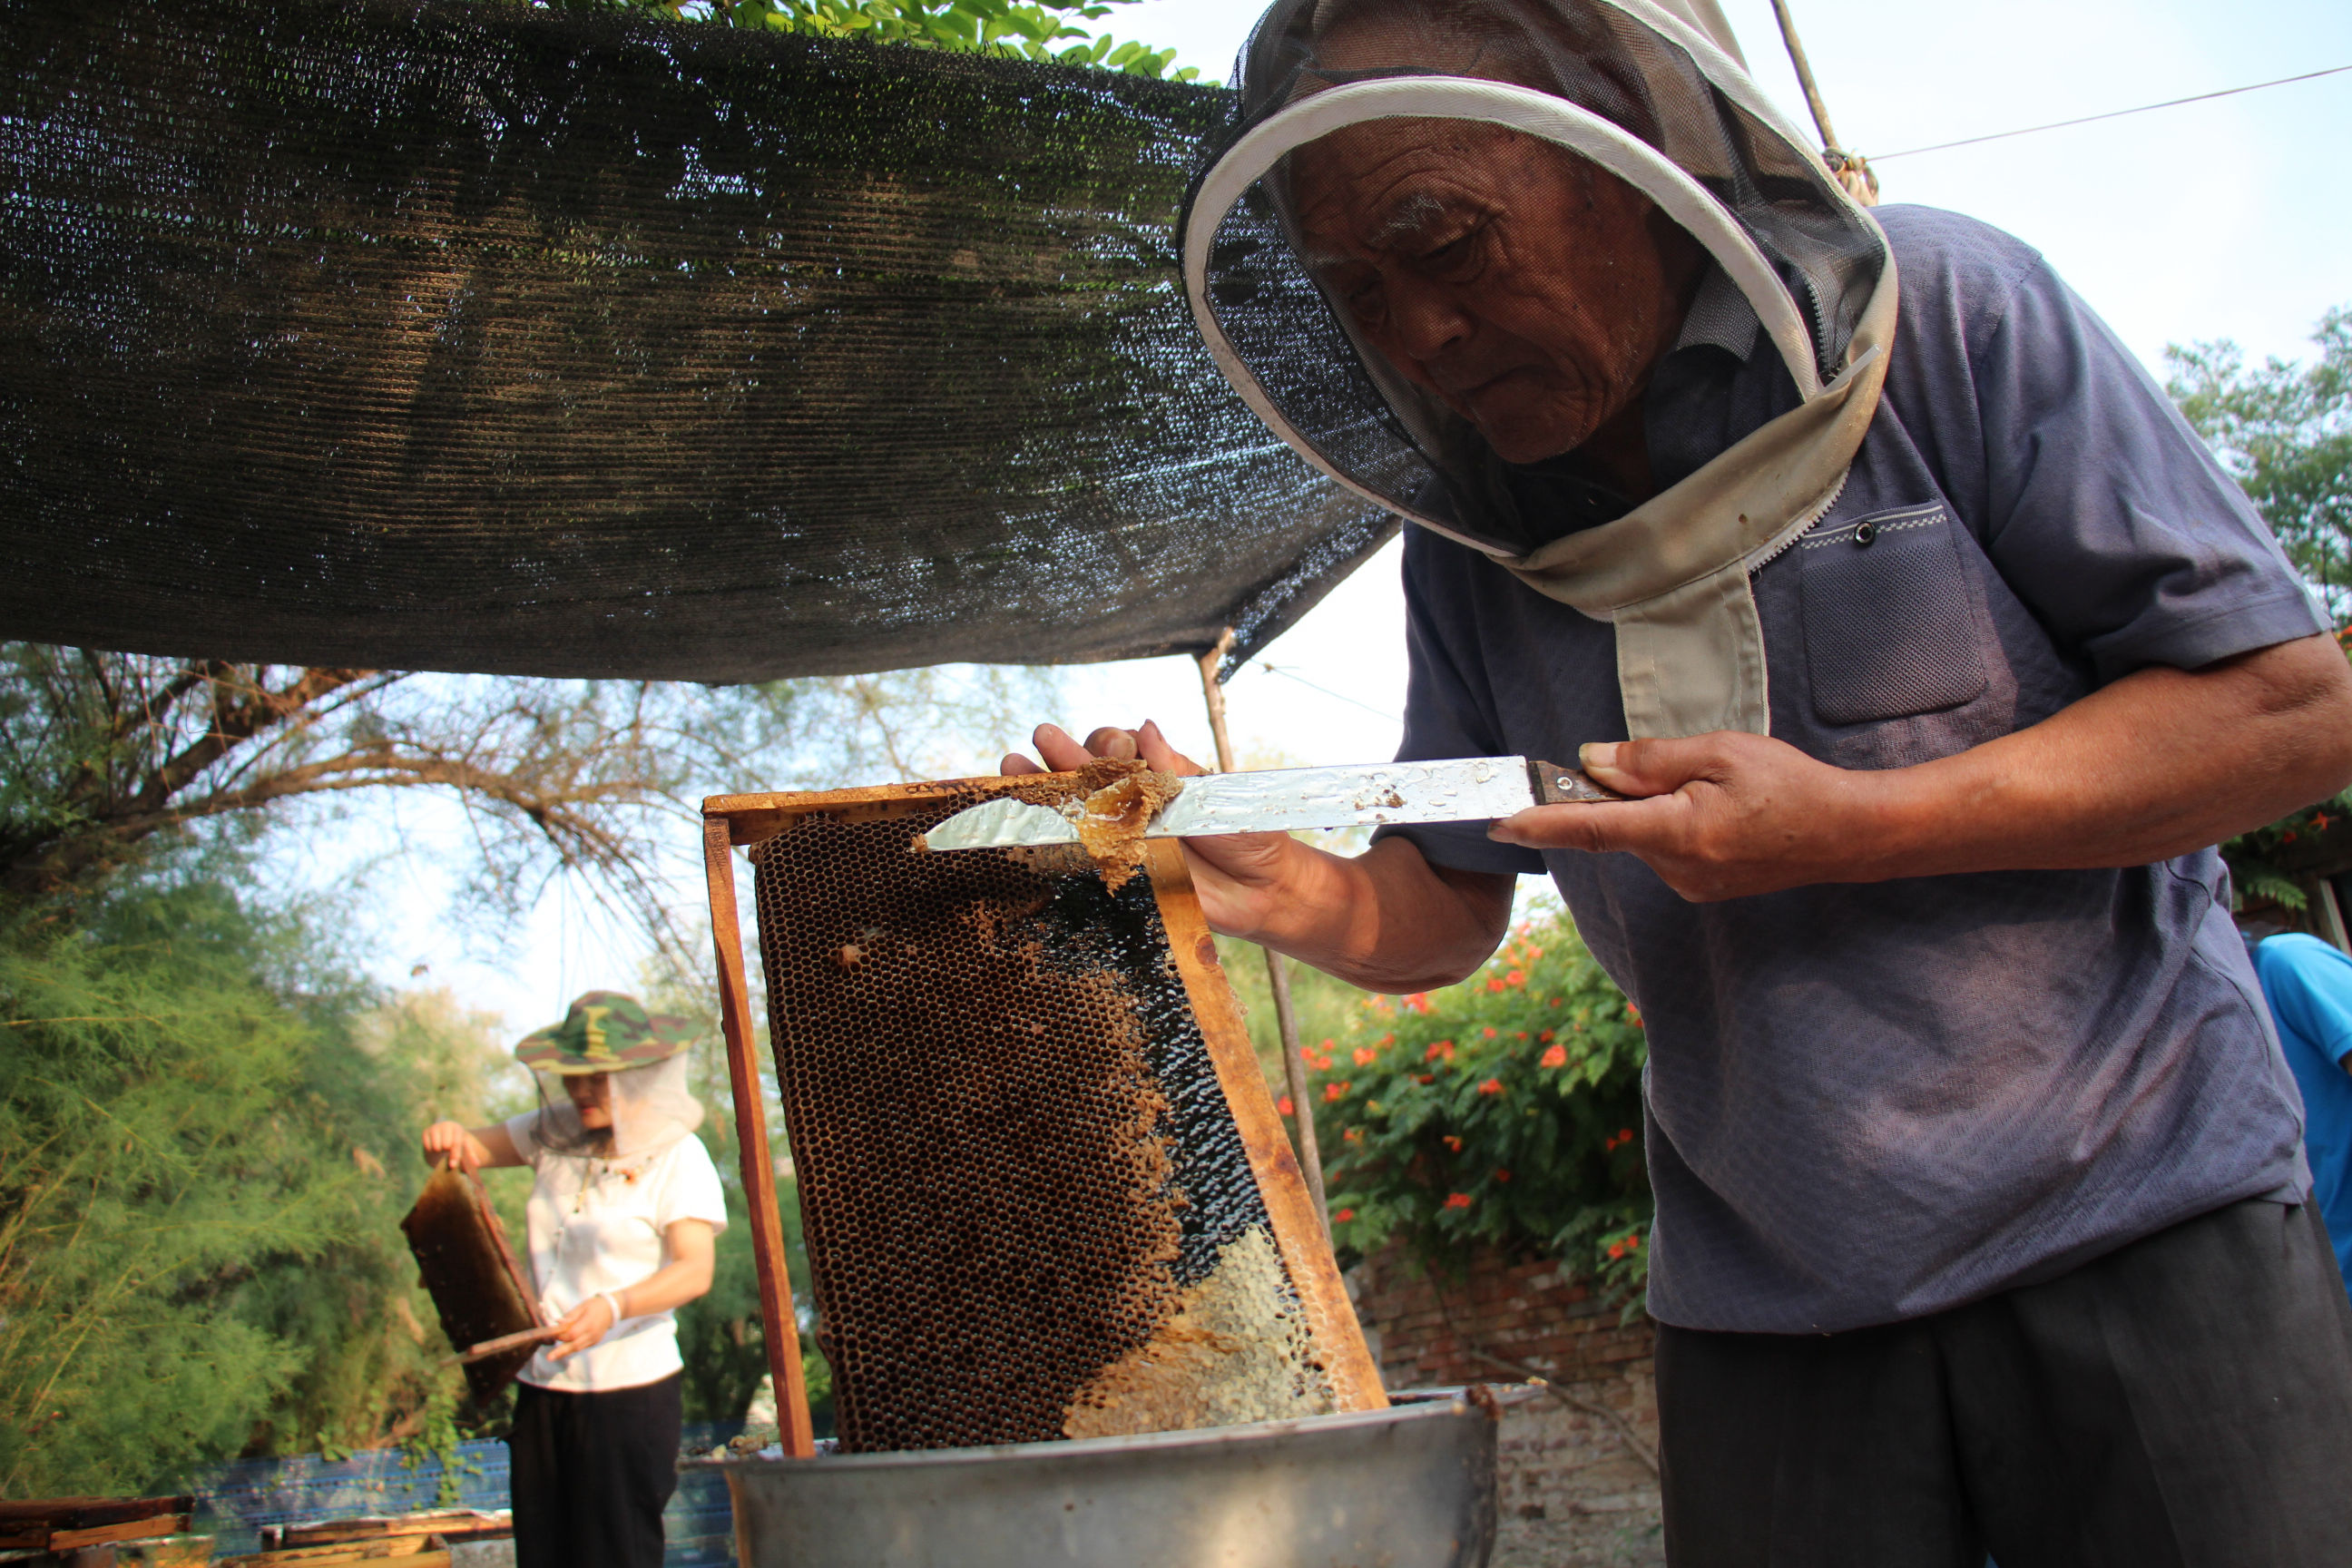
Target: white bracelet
[(613, 1301)]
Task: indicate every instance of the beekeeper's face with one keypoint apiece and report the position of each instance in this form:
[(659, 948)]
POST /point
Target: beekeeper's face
[(1530, 291), (592, 1096)]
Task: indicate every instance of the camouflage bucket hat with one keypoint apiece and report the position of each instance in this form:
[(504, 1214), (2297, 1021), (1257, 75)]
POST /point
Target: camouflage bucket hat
[(606, 1031)]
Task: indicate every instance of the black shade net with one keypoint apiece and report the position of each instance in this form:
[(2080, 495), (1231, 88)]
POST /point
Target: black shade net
[(468, 337)]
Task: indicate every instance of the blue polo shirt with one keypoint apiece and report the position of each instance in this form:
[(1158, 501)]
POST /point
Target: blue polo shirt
[(2309, 988), (1872, 1102)]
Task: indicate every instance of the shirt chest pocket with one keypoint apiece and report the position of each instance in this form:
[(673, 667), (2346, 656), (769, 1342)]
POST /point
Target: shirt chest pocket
[(1893, 626)]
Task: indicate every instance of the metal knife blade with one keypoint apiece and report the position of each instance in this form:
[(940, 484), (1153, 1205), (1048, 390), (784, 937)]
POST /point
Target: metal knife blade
[(1470, 789)]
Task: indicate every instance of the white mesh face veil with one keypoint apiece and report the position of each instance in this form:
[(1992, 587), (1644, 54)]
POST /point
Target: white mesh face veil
[(650, 1106), (1656, 98)]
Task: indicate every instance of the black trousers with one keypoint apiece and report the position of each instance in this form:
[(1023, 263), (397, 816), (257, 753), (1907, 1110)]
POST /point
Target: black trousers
[(591, 1473), (2185, 1401)]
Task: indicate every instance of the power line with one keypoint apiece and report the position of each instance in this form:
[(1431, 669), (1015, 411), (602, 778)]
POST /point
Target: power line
[(2111, 114), (1339, 696)]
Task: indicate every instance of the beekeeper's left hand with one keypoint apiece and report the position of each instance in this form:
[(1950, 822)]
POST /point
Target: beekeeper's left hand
[(1722, 816), (2158, 764), (582, 1327)]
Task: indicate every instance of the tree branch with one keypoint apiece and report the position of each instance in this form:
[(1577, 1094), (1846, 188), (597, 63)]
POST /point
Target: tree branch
[(232, 725)]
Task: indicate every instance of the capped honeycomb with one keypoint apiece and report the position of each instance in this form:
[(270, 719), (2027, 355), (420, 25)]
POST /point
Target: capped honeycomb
[(1028, 1209)]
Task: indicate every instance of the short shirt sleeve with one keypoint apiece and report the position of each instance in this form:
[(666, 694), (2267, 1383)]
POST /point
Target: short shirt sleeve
[(691, 1190), (2103, 511), (523, 1132), (2309, 988), (1447, 716)]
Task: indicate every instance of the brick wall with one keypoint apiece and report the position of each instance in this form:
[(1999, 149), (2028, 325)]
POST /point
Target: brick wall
[(1574, 1480)]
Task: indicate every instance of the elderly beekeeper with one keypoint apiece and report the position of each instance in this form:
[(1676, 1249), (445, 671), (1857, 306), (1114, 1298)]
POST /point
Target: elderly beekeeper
[(625, 1204), (1939, 653)]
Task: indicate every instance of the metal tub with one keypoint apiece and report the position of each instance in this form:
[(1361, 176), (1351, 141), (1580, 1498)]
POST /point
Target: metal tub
[(1408, 1487)]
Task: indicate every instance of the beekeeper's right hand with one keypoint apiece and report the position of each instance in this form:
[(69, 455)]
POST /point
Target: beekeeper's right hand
[(453, 1141), (1386, 920)]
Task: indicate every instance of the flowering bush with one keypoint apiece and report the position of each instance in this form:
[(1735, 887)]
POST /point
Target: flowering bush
[(1504, 1111)]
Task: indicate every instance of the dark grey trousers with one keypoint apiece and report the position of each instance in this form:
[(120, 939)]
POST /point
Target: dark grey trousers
[(2185, 1401), (593, 1473)]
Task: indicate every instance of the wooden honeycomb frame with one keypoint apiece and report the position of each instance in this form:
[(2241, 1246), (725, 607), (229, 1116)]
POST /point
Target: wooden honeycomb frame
[(742, 821)]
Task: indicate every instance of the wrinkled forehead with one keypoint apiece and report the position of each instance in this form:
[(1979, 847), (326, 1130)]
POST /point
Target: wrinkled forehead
[(1382, 183), (1388, 178)]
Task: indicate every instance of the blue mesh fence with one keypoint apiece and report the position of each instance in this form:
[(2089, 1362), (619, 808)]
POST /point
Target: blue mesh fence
[(236, 1501)]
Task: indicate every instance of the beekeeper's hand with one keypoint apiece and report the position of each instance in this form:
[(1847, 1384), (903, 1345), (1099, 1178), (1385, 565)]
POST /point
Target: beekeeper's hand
[(1234, 873), (470, 1148), (453, 1141), (1722, 815), (2158, 764), (582, 1326), (1385, 920)]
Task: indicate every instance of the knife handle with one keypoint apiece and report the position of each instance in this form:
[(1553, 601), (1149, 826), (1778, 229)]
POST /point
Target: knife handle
[(1557, 786)]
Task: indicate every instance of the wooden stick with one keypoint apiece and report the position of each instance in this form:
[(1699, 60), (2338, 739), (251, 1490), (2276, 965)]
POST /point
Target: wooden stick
[(1852, 171), (503, 1343), (781, 1327), (1286, 1019), (1294, 1072), (1804, 73)]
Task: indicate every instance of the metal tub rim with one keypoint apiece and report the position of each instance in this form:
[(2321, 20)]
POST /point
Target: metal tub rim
[(1413, 1405)]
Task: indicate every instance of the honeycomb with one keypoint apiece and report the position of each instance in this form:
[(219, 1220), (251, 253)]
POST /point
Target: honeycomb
[(465, 1263), (1028, 1211)]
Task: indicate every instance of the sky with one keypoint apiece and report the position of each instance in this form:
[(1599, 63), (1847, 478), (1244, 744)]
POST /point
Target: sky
[(2224, 219)]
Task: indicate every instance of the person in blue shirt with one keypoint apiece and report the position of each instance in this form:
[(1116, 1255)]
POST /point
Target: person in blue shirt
[(2308, 985)]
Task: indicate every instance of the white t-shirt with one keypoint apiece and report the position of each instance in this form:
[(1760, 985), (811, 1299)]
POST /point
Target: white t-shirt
[(597, 1224)]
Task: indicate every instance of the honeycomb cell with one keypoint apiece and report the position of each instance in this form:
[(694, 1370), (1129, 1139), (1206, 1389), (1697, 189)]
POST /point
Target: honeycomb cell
[(1014, 1157)]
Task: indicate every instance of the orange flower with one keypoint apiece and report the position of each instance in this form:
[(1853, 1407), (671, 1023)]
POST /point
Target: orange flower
[(1343, 1216), (1616, 1249), (1501, 1175), (1353, 1135), (1520, 1035), (1515, 977), (1426, 1077), (1633, 1242), (1418, 1002), (1458, 1201), (1453, 1142), (1545, 1036), (1494, 986), (1492, 1085), (1334, 1090), (1366, 1056), (1624, 1135), (1442, 1048), (1285, 1106), (1633, 1016), (1388, 1039), (1490, 1033), (1556, 1058)]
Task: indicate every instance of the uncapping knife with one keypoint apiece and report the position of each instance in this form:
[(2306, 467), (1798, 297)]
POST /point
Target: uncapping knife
[(1470, 789)]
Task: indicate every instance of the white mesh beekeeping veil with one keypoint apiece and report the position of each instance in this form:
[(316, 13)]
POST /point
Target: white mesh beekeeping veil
[(1654, 95), (651, 1108)]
